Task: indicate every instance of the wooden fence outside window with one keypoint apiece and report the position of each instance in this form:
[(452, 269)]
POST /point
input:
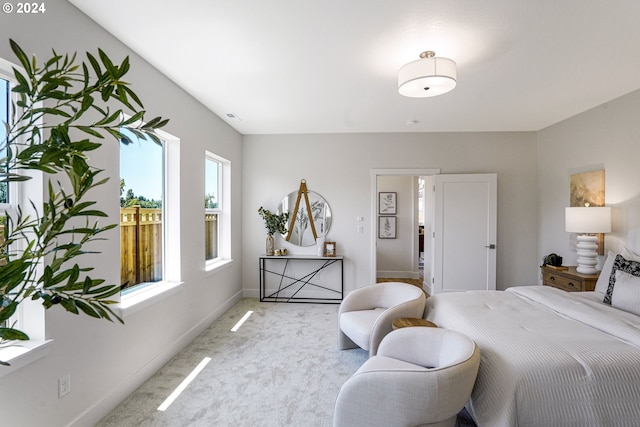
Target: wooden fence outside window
[(140, 245), (211, 236)]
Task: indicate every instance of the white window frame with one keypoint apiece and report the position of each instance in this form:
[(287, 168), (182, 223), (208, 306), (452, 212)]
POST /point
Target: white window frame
[(30, 315), (138, 299), (224, 213), (217, 210)]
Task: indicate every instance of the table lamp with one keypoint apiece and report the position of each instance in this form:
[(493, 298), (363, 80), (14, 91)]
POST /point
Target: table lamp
[(587, 222)]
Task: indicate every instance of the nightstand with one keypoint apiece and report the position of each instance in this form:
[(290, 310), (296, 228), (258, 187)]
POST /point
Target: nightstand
[(568, 280)]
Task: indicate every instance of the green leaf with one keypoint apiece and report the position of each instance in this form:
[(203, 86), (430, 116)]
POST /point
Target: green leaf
[(91, 131), (109, 118), (87, 309), (133, 96), (8, 310), (22, 57), (10, 334), (94, 64), (104, 291), (108, 63), (133, 119), (69, 305)]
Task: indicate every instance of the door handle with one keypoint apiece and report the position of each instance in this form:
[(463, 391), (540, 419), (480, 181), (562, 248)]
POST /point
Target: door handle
[(491, 246)]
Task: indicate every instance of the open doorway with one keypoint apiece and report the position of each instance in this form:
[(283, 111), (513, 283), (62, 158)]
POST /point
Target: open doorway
[(403, 253)]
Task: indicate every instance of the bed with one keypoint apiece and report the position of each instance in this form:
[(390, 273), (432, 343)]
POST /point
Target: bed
[(548, 357)]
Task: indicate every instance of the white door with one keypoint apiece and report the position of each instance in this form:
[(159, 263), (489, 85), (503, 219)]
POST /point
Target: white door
[(465, 232)]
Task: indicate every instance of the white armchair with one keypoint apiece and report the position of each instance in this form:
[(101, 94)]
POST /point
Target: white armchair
[(366, 313), (420, 377)]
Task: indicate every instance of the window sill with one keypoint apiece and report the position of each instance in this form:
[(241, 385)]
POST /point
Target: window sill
[(22, 354), (145, 297), (214, 267)]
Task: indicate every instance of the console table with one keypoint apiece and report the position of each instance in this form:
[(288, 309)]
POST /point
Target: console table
[(301, 278)]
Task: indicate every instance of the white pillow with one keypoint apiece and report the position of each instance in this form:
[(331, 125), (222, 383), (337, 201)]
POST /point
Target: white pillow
[(602, 284), (629, 254), (626, 292)]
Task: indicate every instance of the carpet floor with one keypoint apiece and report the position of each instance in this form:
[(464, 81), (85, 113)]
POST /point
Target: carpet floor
[(281, 368)]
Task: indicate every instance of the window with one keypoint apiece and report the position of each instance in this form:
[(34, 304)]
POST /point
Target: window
[(217, 212), (212, 208), (30, 316), (5, 102), (149, 218), (141, 212)]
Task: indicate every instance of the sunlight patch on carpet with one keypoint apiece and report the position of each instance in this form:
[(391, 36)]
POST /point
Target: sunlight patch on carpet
[(183, 385), (241, 321)]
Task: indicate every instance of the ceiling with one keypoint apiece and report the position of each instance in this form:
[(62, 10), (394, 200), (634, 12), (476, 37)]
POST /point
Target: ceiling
[(295, 66)]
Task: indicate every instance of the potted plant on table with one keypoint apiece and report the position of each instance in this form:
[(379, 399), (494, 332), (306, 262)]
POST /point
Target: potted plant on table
[(275, 223)]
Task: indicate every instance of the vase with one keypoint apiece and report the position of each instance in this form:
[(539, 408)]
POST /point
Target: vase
[(320, 245), (270, 245)]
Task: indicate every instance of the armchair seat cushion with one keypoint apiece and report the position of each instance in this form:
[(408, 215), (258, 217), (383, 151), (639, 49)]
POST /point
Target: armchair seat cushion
[(358, 324), (384, 363)]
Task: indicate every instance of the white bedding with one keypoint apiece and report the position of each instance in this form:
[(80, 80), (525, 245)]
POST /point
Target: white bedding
[(548, 357)]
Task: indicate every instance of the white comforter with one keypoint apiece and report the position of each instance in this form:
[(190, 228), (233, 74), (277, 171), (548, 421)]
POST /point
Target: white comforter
[(548, 357)]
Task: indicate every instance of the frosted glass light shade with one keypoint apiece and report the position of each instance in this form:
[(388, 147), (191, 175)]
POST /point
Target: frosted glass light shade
[(588, 220), (428, 76)]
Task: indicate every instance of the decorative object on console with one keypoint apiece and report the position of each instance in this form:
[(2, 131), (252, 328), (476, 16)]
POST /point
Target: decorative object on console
[(275, 223), (329, 249), (428, 76), (586, 221), (320, 246)]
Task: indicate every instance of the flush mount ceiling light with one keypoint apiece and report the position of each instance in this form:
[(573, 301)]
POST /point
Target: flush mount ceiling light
[(428, 76)]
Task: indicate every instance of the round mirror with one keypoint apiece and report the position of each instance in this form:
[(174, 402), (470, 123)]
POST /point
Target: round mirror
[(301, 233)]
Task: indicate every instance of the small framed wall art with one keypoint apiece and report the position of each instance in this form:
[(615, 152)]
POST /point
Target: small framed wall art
[(386, 227), (387, 203), (329, 249)]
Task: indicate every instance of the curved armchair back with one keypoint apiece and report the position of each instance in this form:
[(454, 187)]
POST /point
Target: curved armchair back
[(366, 314), (420, 376)]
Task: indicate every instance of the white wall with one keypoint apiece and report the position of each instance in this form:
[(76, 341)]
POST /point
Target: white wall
[(338, 166), (608, 137), (108, 361), (395, 257)]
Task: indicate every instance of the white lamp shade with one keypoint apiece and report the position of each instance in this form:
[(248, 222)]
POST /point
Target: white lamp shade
[(426, 77), (588, 220)]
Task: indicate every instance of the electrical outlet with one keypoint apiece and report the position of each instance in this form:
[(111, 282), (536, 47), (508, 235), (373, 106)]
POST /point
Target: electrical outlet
[(64, 385)]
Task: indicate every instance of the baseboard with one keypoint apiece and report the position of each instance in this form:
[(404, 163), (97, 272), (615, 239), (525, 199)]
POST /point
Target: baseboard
[(398, 275), (427, 287), (117, 394), (251, 293)]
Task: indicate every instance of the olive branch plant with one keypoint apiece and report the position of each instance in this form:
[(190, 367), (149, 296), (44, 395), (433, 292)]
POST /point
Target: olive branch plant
[(274, 223), (63, 110)]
